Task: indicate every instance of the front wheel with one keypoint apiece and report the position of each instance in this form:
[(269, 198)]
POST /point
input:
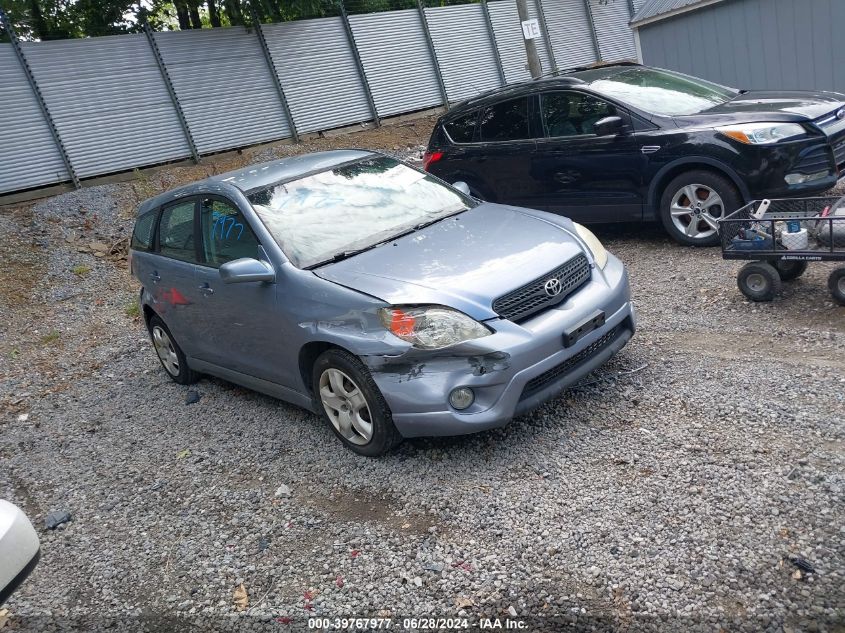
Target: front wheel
[(693, 203), (350, 401), (759, 281)]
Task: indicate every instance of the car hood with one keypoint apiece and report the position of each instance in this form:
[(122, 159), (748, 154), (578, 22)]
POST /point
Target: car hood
[(465, 261), (775, 105)]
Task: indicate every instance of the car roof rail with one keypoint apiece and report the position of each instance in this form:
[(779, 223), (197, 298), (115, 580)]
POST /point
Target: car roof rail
[(593, 66)]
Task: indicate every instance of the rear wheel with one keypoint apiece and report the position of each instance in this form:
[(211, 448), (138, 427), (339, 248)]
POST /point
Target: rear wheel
[(790, 269), (693, 203), (170, 354), (759, 281), (836, 284)]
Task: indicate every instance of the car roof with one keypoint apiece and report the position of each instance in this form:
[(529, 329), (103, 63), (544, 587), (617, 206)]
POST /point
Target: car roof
[(258, 176), (266, 174), (580, 76)]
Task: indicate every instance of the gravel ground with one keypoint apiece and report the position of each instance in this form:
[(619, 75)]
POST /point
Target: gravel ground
[(679, 488)]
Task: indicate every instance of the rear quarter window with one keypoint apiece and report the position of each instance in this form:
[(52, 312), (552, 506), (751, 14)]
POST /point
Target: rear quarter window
[(462, 129), (142, 236)]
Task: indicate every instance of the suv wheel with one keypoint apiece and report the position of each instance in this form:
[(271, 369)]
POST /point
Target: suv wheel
[(350, 401), (170, 354), (694, 202)]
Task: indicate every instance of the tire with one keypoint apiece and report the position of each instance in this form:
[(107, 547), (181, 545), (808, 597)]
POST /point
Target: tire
[(176, 365), (709, 195), (361, 417), (758, 281), (790, 269), (836, 284)]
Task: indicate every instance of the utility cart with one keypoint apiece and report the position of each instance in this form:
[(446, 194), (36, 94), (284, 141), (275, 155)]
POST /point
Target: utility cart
[(782, 237)]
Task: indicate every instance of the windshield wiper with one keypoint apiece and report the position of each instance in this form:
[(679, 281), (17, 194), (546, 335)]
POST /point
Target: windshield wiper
[(351, 253)]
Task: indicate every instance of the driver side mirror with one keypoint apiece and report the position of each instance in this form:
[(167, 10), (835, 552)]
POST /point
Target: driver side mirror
[(462, 187), (246, 269), (608, 125)]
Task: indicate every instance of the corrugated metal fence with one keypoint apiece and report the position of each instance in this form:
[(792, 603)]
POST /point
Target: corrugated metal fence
[(79, 108)]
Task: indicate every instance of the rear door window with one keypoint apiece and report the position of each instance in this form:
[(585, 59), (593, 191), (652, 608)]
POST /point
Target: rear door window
[(506, 121), (142, 236), (462, 129), (573, 113), (226, 234), (176, 231)]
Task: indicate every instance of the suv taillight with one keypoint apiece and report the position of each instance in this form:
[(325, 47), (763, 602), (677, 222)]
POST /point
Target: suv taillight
[(431, 157)]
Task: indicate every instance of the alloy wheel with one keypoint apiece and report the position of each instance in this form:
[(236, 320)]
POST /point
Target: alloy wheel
[(696, 211), (166, 351), (346, 406)]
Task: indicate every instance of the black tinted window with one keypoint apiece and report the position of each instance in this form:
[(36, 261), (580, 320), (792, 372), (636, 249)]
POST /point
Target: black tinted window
[(142, 236), (176, 232), (506, 121), (226, 233), (573, 113), (461, 129)]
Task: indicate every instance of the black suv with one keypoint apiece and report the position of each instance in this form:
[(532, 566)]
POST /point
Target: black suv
[(628, 142)]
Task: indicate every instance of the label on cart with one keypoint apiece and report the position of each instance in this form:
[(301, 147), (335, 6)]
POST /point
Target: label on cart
[(803, 258)]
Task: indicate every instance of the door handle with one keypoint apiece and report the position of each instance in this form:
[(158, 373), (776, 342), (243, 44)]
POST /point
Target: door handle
[(649, 149), (155, 276), (206, 290)]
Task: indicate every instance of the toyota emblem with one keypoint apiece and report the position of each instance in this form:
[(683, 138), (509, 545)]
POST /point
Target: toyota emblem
[(840, 113), (553, 287)]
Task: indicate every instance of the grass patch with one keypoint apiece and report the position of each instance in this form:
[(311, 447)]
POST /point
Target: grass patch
[(51, 337), (80, 270), (132, 309)]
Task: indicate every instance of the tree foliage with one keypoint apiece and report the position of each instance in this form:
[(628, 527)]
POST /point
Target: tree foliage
[(62, 19)]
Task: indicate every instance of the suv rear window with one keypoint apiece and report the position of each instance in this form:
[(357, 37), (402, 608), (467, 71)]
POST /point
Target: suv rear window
[(506, 121), (461, 130), (142, 236)]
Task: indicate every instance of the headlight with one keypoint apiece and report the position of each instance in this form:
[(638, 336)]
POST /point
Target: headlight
[(431, 327), (762, 133), (595, 246)]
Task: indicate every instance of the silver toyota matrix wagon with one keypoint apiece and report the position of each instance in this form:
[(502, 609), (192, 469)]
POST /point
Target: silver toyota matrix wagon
[(376, 295)]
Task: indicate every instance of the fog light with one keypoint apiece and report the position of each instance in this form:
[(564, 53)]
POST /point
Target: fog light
[(797, 179), (461, 398)]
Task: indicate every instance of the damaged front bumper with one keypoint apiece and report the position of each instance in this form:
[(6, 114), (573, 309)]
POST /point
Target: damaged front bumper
[(515, 369)]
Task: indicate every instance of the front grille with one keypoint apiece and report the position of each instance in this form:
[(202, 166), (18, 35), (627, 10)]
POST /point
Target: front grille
[(549, 376), (532, 297)]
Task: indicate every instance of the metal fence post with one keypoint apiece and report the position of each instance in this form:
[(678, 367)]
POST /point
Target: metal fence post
[(593, 29), (356, 55), (433, 54), (30, 77), (545, 26), (173, 98), (491, 31), (256, 24)]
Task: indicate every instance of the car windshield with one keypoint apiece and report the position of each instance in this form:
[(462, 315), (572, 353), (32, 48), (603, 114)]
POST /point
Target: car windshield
[(663, 92), (354, 206)]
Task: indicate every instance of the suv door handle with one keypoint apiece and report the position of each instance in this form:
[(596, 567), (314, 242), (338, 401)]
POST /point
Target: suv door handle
[(155, 276), (206, 289)]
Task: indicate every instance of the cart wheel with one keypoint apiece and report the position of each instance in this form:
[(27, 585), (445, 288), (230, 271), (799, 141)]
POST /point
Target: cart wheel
[(790, 269), (758, 281), (836, 283)]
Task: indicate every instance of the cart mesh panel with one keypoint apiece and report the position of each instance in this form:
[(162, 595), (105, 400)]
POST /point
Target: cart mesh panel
[(820, 234), (558, 371), (531, 298)]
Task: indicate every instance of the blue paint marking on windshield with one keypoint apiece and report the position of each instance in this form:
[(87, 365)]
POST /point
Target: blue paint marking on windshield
[(220, 221)]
